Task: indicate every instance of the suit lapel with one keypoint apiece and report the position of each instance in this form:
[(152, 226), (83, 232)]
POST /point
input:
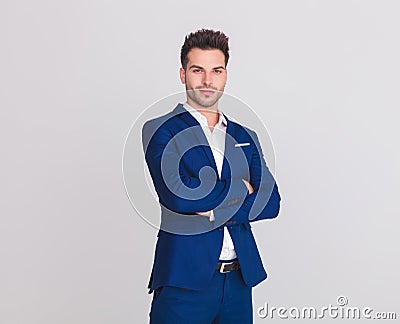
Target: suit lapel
[(229, 145), (197, 132)]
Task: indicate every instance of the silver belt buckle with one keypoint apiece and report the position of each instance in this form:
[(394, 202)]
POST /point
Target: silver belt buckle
[(222, 269)]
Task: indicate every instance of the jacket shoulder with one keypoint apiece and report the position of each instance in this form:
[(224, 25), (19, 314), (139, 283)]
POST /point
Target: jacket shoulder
[(164, 123)]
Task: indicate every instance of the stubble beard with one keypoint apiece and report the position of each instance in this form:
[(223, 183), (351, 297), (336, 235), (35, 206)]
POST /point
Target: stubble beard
[(203, 100)]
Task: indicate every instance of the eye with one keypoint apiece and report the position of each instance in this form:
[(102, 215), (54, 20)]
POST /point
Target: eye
[(196, 70), (218, 71)]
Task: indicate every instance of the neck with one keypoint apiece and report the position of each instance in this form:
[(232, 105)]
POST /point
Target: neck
[(211, 113)]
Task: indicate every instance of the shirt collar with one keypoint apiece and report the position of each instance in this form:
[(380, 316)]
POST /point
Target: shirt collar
[(201, 118)]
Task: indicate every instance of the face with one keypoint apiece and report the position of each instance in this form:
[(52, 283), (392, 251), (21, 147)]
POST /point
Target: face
[(205, 77)]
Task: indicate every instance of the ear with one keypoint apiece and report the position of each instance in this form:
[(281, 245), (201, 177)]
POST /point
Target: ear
[(182, 75)]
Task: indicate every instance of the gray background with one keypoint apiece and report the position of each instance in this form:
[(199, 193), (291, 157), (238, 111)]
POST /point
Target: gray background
[(74, 75)]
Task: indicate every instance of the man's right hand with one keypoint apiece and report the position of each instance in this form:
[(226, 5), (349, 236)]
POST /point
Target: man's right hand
[(249, 186), (205, 214)]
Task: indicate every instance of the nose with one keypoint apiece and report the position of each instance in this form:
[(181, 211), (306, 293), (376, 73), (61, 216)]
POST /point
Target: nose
[(207, 79)]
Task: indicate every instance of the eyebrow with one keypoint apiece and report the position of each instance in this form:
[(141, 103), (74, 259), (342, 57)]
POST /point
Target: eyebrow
[(200, 67)]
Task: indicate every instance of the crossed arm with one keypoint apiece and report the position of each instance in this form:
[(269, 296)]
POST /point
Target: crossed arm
[(237, 199), (249, 188)]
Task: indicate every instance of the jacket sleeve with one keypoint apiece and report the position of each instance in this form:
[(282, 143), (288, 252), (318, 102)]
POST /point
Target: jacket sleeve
[(264, 202), (178, 191)]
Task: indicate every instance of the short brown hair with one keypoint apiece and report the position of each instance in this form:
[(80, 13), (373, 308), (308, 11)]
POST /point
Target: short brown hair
[(205, 39)]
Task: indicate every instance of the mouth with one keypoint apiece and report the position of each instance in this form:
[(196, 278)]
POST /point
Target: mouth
[(207, 92)]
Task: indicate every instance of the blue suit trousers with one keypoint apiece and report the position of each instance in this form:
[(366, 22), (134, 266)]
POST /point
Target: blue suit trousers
[(226, 299)]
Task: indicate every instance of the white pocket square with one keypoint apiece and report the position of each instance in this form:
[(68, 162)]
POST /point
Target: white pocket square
[(241, 144)]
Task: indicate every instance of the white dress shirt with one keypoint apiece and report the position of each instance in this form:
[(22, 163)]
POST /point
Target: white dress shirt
[(216, 140)]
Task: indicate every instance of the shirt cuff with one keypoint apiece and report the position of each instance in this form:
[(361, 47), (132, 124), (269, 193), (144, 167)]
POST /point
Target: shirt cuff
[(212, 218)]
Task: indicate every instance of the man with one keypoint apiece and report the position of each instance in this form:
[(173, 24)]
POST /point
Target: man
[(212, 181)]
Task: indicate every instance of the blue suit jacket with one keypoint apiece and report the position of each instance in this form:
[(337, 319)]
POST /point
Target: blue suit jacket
[(186, 180)]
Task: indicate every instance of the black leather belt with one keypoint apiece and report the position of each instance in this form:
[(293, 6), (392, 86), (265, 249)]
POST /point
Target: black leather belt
[(225, 267)]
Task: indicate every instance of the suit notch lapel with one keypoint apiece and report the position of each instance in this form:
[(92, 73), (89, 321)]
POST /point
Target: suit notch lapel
[(198, 133), (229, 140)]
